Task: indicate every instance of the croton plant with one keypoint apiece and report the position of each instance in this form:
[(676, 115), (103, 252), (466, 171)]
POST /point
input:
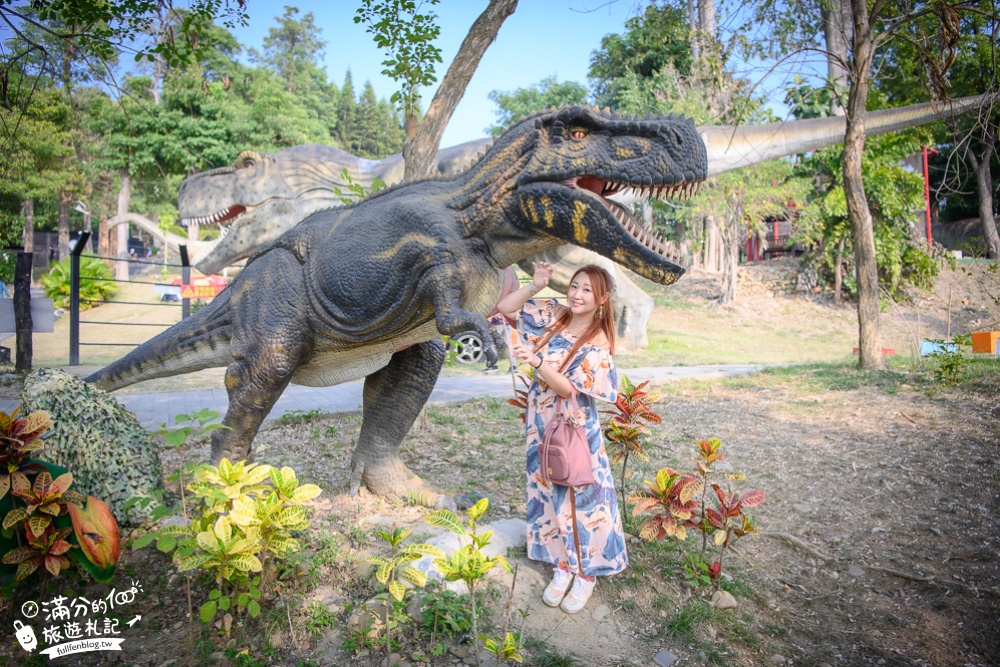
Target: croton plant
[(47, 525)]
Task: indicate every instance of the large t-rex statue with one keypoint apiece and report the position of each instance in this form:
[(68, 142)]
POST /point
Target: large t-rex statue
[(263, 195), (365, 290)]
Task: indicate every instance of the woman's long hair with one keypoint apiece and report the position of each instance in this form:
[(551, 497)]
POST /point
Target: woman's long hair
[(602, 284)]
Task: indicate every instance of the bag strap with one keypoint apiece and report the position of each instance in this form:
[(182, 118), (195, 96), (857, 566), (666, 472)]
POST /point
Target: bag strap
[(572, 401), (576, 537)]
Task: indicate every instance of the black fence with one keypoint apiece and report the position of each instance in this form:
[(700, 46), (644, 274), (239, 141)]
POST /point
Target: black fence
[(75, 343)]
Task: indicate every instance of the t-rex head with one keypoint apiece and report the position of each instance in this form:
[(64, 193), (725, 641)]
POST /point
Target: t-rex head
[(576, 158), (260, 187)]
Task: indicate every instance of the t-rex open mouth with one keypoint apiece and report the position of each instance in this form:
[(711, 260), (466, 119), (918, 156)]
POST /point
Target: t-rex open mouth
[(217, 218), (650, 238)]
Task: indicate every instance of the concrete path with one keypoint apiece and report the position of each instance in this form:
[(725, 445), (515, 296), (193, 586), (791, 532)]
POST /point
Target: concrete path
[(155, 408)]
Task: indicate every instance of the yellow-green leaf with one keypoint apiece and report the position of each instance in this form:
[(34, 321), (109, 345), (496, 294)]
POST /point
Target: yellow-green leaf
[(13, 516), (37, 524), (446, 519), (719, 537), (383, 572), (246, 562), (208, 541), (305, 493), (397, 590), (416, 577), (479, 509)]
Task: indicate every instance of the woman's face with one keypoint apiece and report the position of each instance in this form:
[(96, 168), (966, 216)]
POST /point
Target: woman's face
[(580, 296)]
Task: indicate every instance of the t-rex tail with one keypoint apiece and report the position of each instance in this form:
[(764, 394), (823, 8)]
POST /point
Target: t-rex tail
[(200, 341)]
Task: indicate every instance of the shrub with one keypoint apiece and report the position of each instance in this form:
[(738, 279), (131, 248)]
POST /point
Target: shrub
[(95, 283), (47, 526)]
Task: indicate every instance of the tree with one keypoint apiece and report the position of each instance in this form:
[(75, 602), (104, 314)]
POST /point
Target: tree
[(407, 35), (651, 42), (294, 49), (971, 138), (525, 101)]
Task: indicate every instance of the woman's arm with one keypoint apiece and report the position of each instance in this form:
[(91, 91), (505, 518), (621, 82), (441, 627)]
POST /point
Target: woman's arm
[(511, 305), (543, 370)]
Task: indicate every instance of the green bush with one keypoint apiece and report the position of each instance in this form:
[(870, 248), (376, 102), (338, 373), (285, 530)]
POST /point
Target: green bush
[(95, 282)]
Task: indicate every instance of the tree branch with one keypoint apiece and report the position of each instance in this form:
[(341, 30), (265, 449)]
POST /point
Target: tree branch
[(453, 85)]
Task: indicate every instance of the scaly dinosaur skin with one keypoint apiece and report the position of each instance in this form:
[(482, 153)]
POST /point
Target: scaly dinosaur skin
[(365, 290)]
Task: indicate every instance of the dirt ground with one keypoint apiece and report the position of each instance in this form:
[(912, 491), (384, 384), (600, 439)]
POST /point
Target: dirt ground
[(879, 542)]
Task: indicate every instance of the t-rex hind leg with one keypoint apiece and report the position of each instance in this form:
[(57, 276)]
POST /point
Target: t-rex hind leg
[(393, 397)]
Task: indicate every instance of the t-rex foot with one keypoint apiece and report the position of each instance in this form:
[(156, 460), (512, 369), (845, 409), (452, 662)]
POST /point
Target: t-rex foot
[(391, 478)]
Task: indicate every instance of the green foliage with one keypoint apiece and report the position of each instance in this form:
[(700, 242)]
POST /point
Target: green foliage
[(355, 191), (468, 563), (40, 532), (10, 235), (239, 527), (290, 417), (525, 101), (448, 613), (396, 567), (894, 195), (951, 359), (653, 42), (95, 283), (407, 36), (320, 619)]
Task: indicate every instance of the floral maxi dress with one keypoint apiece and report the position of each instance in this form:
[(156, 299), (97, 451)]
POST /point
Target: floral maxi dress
[(549, 515)]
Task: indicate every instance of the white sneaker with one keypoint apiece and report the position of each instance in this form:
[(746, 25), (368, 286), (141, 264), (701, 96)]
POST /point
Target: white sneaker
[(557, 588), (579, 596)]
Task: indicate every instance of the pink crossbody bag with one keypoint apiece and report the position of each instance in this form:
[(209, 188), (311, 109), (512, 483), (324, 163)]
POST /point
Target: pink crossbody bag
[(564, 454)]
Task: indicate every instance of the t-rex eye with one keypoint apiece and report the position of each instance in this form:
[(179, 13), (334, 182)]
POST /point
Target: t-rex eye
[(578, 133), (246, 160)]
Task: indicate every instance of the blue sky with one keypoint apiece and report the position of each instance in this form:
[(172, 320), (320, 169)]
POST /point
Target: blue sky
[(541, 38)]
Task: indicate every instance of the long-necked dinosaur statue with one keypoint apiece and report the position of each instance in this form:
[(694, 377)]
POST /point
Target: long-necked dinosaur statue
[(263, 195), (365, 290)]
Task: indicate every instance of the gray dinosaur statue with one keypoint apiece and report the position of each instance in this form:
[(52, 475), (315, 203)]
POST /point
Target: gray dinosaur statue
[(366, 290)]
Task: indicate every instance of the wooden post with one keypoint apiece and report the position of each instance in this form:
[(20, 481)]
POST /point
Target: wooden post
[(22, 311)]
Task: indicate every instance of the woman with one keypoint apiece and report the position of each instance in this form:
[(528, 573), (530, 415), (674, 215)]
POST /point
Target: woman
[(570, 347)]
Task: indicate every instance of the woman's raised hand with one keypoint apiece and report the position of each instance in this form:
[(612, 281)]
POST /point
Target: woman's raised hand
[(542, 272)]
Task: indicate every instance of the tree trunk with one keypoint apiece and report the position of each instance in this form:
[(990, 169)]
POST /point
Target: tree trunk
[(64, 199), (836, 31), (28, 235), (730, 260), (984, 182), (866, 268), (706, 20), (103, 242), (22, 312), (420, 150), (124, 196), (838, 274), (693, 26)]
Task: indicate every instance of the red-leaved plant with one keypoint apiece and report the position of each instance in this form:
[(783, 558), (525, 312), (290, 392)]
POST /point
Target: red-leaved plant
[(671, 501), (627, 428), (49, 519)]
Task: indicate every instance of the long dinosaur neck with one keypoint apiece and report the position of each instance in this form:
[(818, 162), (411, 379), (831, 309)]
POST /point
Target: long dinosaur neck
[(732, 147)]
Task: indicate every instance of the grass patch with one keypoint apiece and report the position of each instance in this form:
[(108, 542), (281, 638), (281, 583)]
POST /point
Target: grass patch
[(684, 623)]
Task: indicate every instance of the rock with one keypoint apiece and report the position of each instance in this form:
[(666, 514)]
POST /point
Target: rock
[(723, 600), (802, 507), (601, 612), (824, 664), (459, 652), (776, 660), (227, 623), (277, 638), (362, 620), (855, 571), (362, 569), (392, 660), (218, 656), (413, 609), (664, 658)]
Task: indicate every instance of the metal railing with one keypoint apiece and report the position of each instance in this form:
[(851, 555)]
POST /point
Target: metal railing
[(74, 297)]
